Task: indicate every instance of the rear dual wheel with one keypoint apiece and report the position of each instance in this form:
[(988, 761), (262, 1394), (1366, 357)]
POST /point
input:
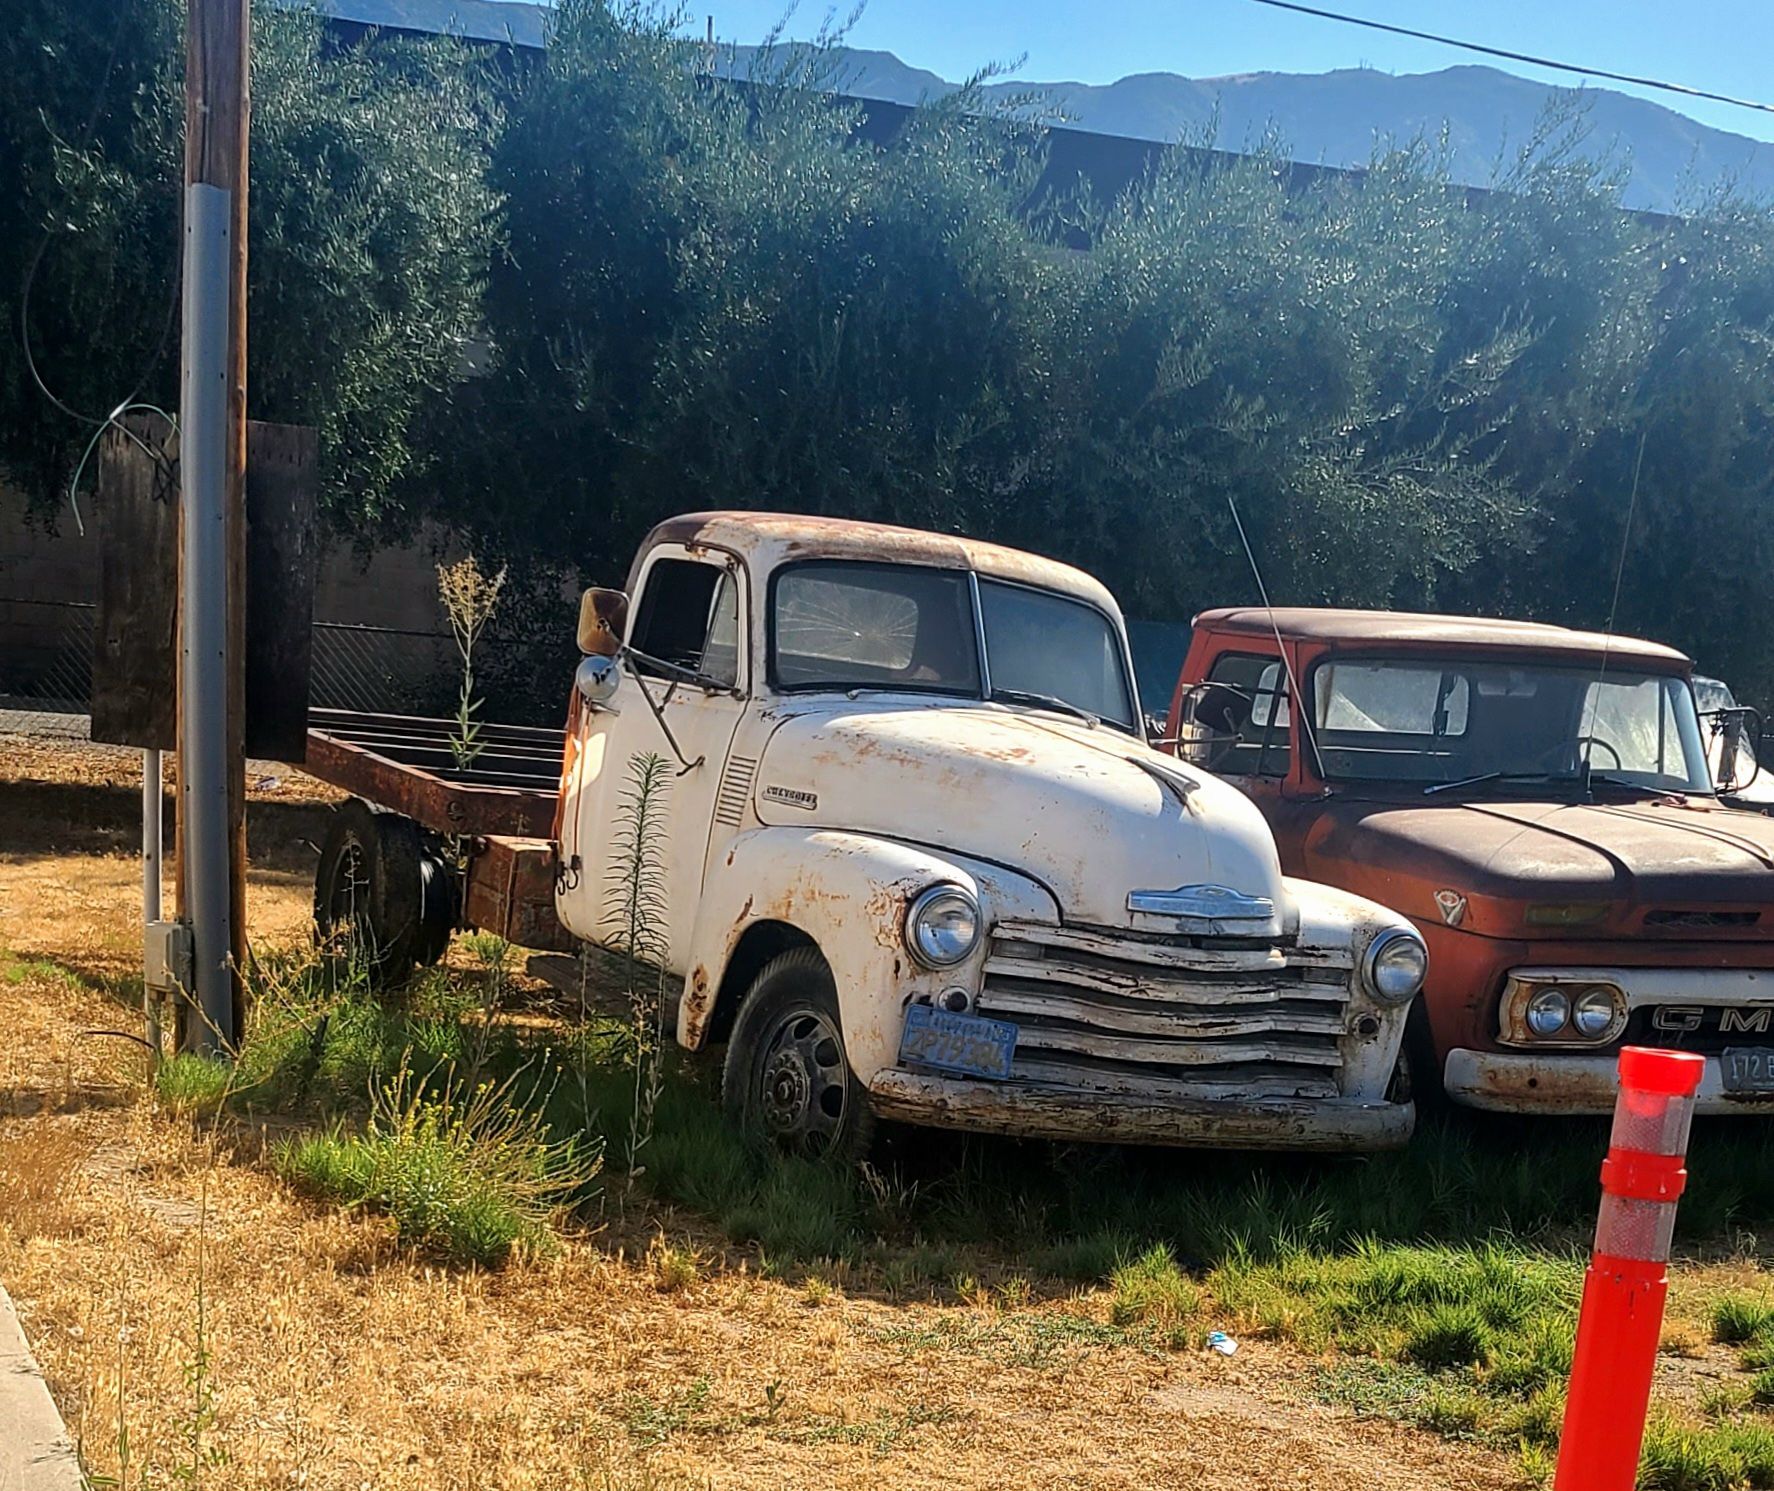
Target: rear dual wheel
[(383, 895)]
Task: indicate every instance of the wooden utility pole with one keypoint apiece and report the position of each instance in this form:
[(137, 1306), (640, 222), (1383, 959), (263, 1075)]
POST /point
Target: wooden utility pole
[(212, 769)]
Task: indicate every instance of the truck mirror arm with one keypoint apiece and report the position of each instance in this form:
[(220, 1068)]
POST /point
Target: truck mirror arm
[(677, 675)]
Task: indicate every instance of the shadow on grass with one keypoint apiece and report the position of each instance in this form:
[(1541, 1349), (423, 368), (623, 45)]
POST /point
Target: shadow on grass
[(49, 819)]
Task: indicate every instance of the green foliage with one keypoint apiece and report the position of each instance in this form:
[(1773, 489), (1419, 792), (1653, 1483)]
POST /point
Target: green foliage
[(371, 226), (679, 292)]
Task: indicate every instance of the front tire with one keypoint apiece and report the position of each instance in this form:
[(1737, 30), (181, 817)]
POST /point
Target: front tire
[(786, 1076)]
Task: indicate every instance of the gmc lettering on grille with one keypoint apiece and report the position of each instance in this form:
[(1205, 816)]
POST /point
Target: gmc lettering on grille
[(1744, 1020)]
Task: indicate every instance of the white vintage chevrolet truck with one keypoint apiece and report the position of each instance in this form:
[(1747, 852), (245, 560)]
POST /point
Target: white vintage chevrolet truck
[(921, 865)]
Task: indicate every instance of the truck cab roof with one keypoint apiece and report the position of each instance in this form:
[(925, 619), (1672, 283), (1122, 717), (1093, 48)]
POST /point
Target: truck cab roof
[(766, 540), (1410, 630)]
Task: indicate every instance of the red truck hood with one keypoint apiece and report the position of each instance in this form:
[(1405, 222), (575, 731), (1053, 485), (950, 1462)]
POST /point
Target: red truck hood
[(1634, 854)]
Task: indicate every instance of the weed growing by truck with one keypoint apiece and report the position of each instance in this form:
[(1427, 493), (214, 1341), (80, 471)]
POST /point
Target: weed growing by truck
[(638, 914), (469, 596)]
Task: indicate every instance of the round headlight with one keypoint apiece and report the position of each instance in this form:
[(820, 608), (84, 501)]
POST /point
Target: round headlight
[(942, 926), (1397, 964), (1595, 1011), (1548, 1012)]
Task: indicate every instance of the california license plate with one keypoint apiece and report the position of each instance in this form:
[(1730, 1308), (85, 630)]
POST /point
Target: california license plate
[(1748, 1069), (969, 1044)]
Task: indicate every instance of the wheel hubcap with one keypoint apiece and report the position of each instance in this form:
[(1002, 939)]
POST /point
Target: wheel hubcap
[(805, 1081)]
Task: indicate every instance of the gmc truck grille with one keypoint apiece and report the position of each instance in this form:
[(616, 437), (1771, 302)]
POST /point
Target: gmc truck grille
[(1206, 1018)]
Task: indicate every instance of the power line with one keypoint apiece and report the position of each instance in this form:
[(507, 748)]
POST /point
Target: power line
[(1528, 57)]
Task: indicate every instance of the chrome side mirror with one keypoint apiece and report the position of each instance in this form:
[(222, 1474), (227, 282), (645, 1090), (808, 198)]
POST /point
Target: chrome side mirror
[(603, 621), (596, 679)]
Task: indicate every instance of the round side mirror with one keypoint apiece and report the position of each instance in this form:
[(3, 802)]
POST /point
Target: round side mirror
[(596, 679)]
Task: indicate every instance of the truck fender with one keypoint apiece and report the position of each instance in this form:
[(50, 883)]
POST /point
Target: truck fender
[(847, 895), (1334, 930)]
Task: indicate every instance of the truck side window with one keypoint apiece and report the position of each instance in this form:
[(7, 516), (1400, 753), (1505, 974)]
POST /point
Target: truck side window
[(1238, 721), (689, 616)]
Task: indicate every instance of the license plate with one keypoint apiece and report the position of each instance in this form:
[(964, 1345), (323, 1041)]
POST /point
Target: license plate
[(1748, 1069), (969, 1044)]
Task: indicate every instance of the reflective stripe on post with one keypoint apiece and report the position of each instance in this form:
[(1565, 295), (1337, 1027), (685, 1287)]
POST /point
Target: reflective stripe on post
[(1623, 1293)]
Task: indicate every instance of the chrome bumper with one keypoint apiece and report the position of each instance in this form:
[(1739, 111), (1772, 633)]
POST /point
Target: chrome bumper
[(1042, 1111), (1518, 1082)]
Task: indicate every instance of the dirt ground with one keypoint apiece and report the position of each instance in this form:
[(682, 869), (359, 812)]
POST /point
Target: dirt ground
[(171, 1285)]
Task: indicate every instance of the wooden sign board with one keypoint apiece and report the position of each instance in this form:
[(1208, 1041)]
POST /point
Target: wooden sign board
[(136, 641), (135, 654)]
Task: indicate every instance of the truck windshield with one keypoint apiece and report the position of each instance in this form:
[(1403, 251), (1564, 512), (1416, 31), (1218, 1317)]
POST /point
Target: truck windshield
[(1457, 721), (850, 624)]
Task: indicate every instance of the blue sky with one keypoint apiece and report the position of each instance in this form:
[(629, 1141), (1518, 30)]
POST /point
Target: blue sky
[(1723, 45)]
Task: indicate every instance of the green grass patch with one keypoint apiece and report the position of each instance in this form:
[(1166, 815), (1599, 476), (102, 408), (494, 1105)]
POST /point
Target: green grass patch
[(1714, 1457), (1738, 1319), (1151, 1289), (192, 1085), (469, 1173)]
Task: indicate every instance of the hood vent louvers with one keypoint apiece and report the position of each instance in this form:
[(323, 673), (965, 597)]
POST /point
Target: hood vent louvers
[(735, 793)]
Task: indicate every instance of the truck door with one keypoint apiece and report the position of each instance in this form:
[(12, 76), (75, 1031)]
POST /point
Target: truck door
[(687, 617), (1238, 724)]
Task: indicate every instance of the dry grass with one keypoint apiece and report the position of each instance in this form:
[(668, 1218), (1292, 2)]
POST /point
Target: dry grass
[(646, 1352)]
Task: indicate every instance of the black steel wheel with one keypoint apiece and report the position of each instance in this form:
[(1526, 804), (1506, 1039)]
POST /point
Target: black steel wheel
[(786, 1076), (369, 890), (440, 904)]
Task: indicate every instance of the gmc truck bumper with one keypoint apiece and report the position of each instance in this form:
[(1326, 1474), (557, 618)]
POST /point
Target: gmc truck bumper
[(1041, 1111), (1518, 1082)]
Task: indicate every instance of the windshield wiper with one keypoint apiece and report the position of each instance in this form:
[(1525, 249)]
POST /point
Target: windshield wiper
[(1499, 776), (1045, 701)]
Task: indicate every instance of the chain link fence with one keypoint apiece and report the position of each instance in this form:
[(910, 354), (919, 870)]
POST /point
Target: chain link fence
[(46, 650)]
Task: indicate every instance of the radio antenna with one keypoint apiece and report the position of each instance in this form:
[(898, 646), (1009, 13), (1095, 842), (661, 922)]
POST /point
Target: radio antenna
[(1293, 683), (1588, 742)]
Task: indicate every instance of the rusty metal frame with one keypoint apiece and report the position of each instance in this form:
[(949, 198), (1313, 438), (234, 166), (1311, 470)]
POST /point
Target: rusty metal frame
[(403, 762)]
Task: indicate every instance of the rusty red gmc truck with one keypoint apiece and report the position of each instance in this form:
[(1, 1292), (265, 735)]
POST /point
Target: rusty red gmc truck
[(1539, 802)]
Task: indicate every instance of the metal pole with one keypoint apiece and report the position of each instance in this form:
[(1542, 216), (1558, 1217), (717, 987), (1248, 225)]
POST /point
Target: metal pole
[(151, 815), (203, 704)]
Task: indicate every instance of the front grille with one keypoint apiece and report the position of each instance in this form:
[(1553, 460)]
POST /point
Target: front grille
[(1700, 920), (1197, 1017), (1707, 1029)]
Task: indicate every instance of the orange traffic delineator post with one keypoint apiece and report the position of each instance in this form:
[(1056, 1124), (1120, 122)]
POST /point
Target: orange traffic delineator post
[(1622, 1316)]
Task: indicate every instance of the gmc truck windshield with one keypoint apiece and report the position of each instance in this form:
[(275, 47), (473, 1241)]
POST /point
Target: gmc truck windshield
[(1453, 724), (847, 624)]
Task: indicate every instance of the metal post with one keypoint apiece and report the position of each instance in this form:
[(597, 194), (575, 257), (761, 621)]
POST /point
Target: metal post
[(151, 814), (203, 672)]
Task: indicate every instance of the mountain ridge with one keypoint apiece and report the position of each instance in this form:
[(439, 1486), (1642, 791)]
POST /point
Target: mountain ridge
[(1335, 118)]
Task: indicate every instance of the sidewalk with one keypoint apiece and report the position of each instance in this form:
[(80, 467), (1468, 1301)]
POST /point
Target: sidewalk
[(35, 1454)]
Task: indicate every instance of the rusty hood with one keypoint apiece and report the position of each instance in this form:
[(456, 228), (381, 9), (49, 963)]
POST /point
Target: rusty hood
[(1090, 813), (1632, 853)]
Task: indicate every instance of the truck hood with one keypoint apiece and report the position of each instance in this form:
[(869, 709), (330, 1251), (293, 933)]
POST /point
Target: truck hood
[(1089, 813), (1633, 854)]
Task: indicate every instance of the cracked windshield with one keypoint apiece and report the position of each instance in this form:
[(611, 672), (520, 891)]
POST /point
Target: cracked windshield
[(850, 625)]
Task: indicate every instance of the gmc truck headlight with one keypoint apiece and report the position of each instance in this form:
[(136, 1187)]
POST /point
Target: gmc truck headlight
[(1397, 963), (1548, 1012), (942, 926), (1597, 1012)]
